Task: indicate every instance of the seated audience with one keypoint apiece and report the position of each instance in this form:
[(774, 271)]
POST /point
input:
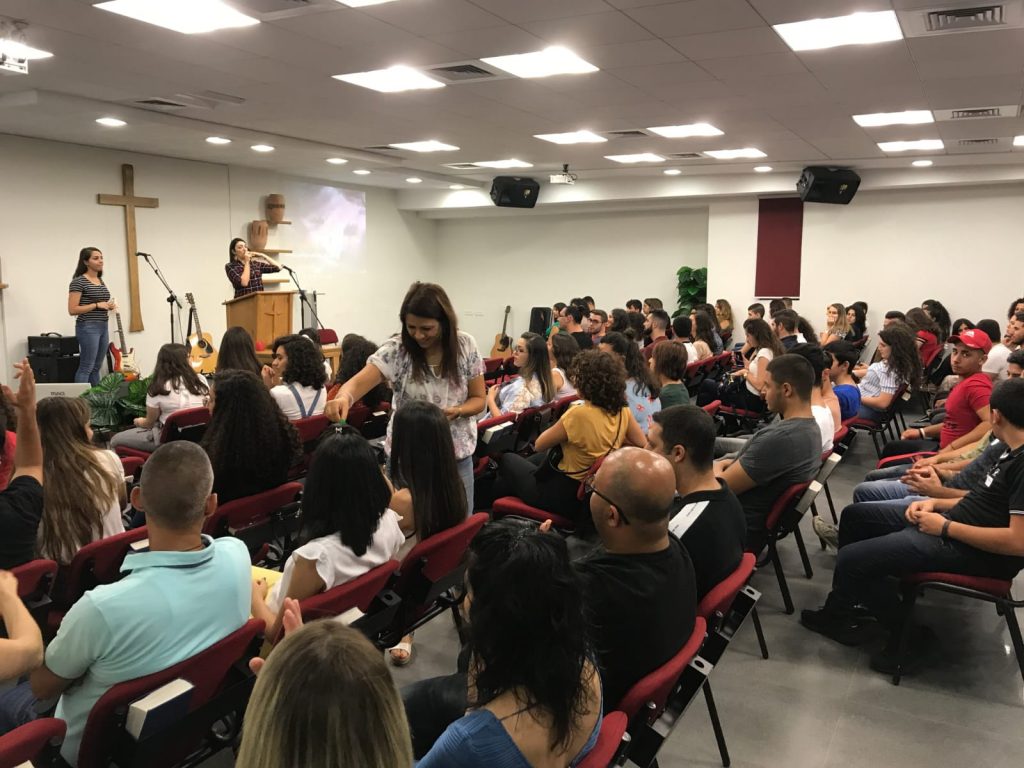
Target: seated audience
[(175, 386), (355, 352), (1011, 340), (314, 338), (634, 306), (325, 698), (856, 319), (893, 316), (746, 385), (836, 326), (533, 387), (784, 324), (21, 646), (163, 611), (584, 434), (708, 519), (824, 403), (237, 352), (640, 587), (8, 432), (775, 306), (347, 525), (805, 333), (844, 383), (723, 313), (635, 323), (1017, 305), (598, 325), (652, 304), (704, 330), (961, 324), (981, 534), (295, 377), (250, 442), (781, 454), (682, 329), (657, 327), (562, 350), (940, 315), (755, 311), (21, 502), (556, 314), (899, 366), (570, 321), (668, 364), (617, 321), (535, 693), (1015, 364), (926, 332), (642, 389), (85, 502)]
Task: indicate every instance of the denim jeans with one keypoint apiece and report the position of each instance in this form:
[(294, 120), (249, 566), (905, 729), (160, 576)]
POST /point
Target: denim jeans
[(93, 339), (465, 467), (17, 707), (881, 490), (891, 472)]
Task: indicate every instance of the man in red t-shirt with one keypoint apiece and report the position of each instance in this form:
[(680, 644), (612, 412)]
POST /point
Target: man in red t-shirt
[(967, 411)]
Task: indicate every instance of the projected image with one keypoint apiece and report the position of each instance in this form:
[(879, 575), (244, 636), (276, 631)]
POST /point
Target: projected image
[(331, 226)]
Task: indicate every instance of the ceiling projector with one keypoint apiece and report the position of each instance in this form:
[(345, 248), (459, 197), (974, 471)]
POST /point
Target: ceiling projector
[(564, 177), (12, 65)]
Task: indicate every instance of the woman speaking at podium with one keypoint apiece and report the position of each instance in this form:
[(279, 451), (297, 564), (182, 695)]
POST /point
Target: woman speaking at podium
[(245, 268)]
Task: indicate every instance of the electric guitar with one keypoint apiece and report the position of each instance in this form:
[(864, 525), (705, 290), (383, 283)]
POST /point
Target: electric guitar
[(201, 354), (501, 340), (124, 358)]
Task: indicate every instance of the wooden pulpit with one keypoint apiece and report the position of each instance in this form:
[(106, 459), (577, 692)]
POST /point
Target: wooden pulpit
[(266, 315)]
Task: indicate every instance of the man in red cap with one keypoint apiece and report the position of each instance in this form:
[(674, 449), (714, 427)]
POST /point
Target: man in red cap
[(967, 408)]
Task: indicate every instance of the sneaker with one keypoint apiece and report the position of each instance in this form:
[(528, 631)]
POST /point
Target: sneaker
[(827, 532), (920, 647), (845, 629)]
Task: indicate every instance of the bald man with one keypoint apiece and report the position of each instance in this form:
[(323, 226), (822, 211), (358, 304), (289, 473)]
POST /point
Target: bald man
[(640, 588)]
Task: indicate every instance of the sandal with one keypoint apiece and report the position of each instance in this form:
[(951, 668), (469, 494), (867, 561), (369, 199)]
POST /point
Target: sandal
[(401, 648)]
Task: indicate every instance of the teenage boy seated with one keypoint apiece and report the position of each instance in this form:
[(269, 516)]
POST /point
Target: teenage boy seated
[(755, 311), (708, 519), (967, 410), (981, 534), (179, 597), (779, 455)]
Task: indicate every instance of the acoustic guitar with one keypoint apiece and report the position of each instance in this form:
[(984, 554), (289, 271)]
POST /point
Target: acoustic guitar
[(201, 353), (124, 358), (501, 340)]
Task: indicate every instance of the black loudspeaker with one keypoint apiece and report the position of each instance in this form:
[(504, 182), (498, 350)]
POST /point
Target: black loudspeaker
[(54, 370), (52, 345), (540, 320), (514, 192), (818, 184)]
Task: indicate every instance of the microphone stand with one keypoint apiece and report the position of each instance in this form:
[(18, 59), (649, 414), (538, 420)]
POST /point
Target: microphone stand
[(172, 298), (302, 295)]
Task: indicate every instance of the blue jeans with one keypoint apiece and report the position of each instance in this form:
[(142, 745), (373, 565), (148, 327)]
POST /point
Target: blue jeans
[(881, 490), (17, 707), (867, 412), (93, 339), (465, 467), (890, 472)]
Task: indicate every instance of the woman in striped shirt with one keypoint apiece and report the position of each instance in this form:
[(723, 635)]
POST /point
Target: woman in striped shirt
[(89, 302), (900, 366)]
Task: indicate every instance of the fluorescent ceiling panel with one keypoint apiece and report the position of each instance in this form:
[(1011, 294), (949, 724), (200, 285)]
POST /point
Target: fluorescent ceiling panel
[(929, 145), (555, 60), (735, 154), (510, 163), (640, 157), (910, 117), (391, 80), (15, 49), (1018, 141), (363, 3), (572, 137), (686, 131), (425, 146), (189, 17), (855, 29), (922, 163), (217, 140)]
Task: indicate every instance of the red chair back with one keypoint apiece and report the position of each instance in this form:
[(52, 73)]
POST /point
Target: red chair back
[(35, 578), (560, 406), (132, 465), (712, 408), (311, 428), (657, 686), (613, 728), (26, 745), (783, 503), (511, 505), (327, 336), (581, 492), (250, 511), (492, 364), (98, 562), (358, 593), (207, 671), (440, 554), (185, 424), (721, 596)]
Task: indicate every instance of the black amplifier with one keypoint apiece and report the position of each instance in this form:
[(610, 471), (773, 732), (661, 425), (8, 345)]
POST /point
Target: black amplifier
[(52, 345), (50, 369)]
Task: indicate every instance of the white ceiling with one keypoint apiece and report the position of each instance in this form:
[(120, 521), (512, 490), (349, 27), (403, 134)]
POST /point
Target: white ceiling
[(662, 62)]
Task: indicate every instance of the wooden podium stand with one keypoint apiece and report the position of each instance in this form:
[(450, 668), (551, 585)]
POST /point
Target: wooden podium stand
[(265, 315)]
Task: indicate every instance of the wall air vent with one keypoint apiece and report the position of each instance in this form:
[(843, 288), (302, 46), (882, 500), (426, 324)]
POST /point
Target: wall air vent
[(976, 142), (980, 146), (202, 100), (685, 155), (965, 18), (163, 104), (956, 17), (465, 72), (464, 167), (634, 133), (977, 113)]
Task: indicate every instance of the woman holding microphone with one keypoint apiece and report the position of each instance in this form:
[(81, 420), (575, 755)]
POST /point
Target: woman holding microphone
[(89, 302), (245, 268), (431, 361)]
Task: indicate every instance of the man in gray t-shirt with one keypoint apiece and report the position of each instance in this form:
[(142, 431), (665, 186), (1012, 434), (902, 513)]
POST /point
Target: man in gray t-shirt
[(781, 454)]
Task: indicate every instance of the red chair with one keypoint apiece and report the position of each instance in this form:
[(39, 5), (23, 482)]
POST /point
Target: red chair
[(693, 377), (371, 422), (208, 671), (253, 518), (310, 431), (645, 701), (512, 505), (612, 743), (712, 408), (796, 499), (886, 426), (359, 593), (327, 336), (35, 578), (990, 590), (493, 442), (33, 743), (531, 423), (560, 406), (132, 466), (184, 424)]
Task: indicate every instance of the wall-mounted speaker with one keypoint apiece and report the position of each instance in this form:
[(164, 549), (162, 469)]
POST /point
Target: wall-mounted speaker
[(818, 184), (514, 192)]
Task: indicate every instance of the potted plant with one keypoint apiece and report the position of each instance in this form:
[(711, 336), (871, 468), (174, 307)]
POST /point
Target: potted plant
[(693, 288), (116, 403)]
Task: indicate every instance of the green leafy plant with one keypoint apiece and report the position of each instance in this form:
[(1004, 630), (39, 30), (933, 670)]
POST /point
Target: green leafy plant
[(693, 288), (115, 402)]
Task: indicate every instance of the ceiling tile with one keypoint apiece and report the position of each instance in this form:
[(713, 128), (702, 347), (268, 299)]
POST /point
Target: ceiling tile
[(759, 65), (733, 42), (592, 29), (995, 52), (433, 16), (639, 53), (696, 17), (964, 92), (492, 41), (847, 148), (520, 11), (655, 74)]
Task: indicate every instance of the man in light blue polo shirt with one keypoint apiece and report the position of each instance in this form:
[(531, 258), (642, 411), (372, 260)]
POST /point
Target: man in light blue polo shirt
[(184, 594)]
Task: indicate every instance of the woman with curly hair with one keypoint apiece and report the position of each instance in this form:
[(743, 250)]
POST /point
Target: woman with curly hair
[(550, 478), (237, 352), (535, 692), (250, 442), (642, 389), (562, 350), (899, 366), (296, 378)]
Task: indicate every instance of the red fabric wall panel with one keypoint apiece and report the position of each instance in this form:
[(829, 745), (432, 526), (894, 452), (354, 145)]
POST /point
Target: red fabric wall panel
[(780, 227)]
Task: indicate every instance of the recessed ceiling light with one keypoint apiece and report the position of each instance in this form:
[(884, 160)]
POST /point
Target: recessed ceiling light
[(640, 157), (361, 172), (217, 140), (425, 146), (735, 154), (510, 163), (685, 131), (391, 80), (456, 186), (555, 60), (908, 146), (922, 163), (110, 122), (572, 137), (672, 171), (337, 160), (261, 148), (414, 180), (187, 16), (762, 169), (855, 29), (910, 117), (363, 3), (15, 49), (1018, 141)]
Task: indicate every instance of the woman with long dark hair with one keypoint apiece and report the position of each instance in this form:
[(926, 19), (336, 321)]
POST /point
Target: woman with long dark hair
[(642, 389), (237, 352), (245, 268), (617, 321), (856, 319), (562, 350), (89, 302), (175, 386), (899, 366), (355, 351), (927, 333), (533, 387), (705, 328), (745, 388), (250, 442), (296, 377), (937, 312), (535, 693), (432, 360)]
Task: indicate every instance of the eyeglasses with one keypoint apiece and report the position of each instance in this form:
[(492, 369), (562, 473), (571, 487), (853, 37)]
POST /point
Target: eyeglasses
[(588, 487)]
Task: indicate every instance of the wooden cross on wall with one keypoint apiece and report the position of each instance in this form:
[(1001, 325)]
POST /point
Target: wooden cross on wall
[(130, 202)]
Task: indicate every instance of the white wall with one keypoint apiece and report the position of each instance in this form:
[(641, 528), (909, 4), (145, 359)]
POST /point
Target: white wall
[(529, 261)]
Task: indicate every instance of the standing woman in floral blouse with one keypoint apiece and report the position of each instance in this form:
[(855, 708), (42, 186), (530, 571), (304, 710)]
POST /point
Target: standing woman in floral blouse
[(433, 361)]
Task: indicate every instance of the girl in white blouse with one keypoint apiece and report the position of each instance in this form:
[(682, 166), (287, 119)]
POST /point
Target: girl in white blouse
[(533, 388)]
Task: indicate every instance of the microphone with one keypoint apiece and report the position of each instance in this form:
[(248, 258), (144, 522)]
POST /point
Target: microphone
[(287, 268), (140, 253)]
